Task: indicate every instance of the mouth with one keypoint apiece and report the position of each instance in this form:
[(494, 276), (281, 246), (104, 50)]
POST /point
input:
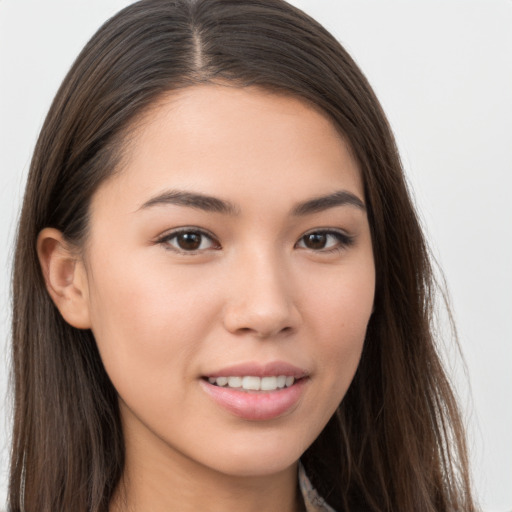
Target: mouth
[(257, 392), (253, 383)]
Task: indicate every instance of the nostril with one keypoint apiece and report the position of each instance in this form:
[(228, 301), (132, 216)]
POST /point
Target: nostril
[(266, 333)]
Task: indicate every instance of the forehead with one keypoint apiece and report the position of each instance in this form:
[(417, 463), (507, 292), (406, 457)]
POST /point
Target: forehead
[(231, 140)]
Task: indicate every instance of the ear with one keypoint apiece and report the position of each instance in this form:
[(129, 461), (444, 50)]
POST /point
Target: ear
[(65, 277)]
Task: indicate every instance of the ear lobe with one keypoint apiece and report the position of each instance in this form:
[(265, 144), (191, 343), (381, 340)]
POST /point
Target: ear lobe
[(65, 277)]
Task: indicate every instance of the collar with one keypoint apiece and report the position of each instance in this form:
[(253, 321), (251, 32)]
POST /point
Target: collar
[(312, 500)]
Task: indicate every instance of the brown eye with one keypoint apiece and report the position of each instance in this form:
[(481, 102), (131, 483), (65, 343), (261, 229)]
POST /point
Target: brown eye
[(189, 241), (325, 241), (315, 241)]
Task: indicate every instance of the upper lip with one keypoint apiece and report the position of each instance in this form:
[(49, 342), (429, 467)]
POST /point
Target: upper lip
[(254, 369)]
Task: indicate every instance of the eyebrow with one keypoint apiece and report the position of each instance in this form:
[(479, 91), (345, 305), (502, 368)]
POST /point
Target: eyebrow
[(319, 204), (216, 205), (193, 200)]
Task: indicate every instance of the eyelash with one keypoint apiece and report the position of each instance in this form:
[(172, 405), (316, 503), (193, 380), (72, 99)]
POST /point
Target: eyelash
[(343, 240), (165, 240)]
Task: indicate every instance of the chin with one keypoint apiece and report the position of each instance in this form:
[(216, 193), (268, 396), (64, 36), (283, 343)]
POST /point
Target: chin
[(257, 458)]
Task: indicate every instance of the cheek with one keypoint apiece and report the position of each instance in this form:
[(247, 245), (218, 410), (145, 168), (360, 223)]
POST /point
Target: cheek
[(147, 323), (337, 308), (339, 313)]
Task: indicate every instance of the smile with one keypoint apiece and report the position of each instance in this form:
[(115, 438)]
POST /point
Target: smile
[(252, 383)]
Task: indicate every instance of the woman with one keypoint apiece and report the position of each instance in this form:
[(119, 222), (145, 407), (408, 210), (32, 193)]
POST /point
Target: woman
[(220, 282)]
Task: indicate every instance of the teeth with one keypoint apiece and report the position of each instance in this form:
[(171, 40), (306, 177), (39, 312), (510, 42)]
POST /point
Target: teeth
[(268, 383), (222, 381), (235, 382), (281, 381), (251, 383)]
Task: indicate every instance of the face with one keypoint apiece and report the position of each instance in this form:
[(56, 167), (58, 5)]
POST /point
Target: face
[(230, 278)]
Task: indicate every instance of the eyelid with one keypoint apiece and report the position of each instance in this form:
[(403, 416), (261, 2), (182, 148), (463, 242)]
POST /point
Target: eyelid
[(345, 240), (169, 235)]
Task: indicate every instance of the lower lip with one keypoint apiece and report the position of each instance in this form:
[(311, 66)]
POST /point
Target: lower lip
[(257, 405)]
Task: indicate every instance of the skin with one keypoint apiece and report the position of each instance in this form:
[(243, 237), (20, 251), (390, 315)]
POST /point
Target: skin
[(256, 291)]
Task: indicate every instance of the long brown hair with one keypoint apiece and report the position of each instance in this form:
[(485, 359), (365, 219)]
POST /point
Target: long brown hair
[(396, 442)]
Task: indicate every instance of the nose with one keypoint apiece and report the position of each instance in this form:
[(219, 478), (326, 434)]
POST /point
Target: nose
[(261, 301)]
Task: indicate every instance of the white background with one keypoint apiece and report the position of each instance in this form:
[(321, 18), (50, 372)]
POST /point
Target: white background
[(443, 72)]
